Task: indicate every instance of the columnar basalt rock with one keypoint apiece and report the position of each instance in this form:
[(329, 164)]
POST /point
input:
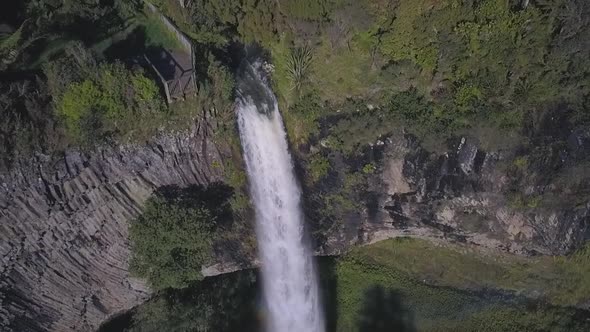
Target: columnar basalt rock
[(63, 228)]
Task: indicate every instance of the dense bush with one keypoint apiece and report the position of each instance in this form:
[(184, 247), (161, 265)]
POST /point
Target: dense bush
[(171, 241), (96, 101), (441, 68)]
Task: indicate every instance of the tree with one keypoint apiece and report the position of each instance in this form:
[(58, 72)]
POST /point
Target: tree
[(170, 242)]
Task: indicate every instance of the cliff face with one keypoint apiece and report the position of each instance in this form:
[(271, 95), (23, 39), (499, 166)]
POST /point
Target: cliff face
[(63, 229), (525, 201), (63, 223)]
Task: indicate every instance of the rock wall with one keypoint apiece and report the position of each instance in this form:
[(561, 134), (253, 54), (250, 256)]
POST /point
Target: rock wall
[(63, 228), (492, 199)]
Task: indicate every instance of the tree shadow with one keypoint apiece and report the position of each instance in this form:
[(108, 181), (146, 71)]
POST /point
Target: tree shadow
[(227, 303), (383, 311), (329, 290), (134, 44)]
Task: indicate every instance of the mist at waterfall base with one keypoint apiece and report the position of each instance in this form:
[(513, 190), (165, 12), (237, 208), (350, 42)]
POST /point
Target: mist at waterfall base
[(289, 280)]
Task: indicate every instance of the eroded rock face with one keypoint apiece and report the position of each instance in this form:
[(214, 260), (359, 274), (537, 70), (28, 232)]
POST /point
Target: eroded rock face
[(63, 229), (470, 195)]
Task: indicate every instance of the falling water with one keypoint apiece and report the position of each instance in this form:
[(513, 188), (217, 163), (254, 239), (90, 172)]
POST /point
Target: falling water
[(289, 279)]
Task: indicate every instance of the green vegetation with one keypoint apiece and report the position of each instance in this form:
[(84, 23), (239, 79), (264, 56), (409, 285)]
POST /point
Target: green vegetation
[(399, 285), (110, 100), (319, 167), (171, 241), (392, 296), (393, 278), (82, 90), (180, 230), (437, 67), (558, 280), (308, 9), (223, 303), (302, 118), (298, 65), (344, 72)]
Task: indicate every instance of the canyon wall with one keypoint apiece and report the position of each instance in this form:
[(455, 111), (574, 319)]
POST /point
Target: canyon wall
[(63, 223), (63, 228)]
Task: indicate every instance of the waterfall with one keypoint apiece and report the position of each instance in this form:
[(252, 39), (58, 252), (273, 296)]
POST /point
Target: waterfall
[(289, 279)]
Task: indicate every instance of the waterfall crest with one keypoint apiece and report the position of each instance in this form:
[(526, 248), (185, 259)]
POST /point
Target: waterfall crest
[(289, 278)]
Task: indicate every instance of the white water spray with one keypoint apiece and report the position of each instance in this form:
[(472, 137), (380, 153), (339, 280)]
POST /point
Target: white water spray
[(288, 273)]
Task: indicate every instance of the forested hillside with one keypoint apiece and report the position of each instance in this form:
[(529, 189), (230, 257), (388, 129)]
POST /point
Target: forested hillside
[(438, 67)]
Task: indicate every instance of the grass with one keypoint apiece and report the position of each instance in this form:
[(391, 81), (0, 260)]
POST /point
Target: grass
[(157, 32), (336, 72), (343, 72), (560, 280), (281, 83), (417, 285)]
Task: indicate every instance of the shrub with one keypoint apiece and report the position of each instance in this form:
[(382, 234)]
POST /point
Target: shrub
[(171, 241), (369, 168), (107, 98), (298, 66), (145, 89), (318, 167), (78, 101), (411, 106)]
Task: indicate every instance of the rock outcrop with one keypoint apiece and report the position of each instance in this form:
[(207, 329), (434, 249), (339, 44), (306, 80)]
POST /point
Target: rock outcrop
[(63, 228), (522, 202)]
